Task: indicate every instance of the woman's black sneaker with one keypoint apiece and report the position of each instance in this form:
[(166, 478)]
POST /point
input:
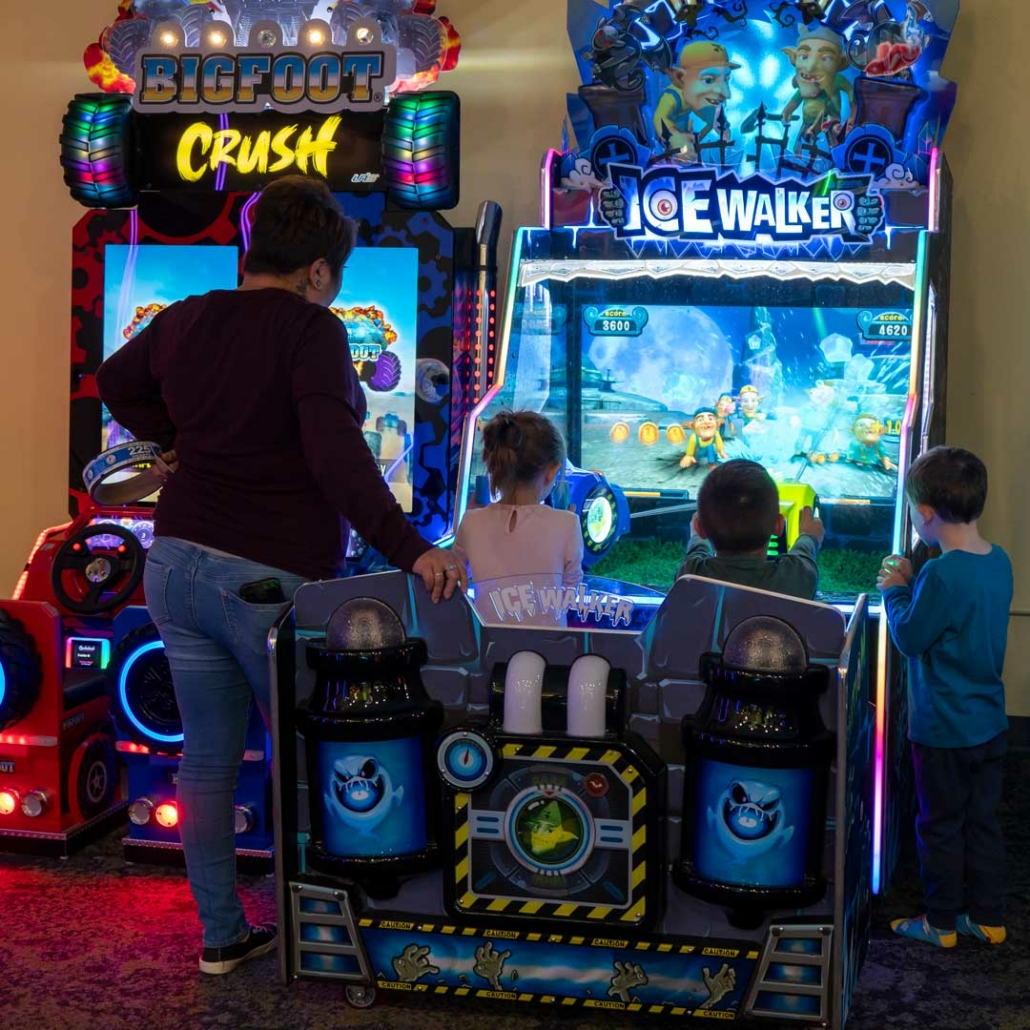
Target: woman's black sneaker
[(260, 941)]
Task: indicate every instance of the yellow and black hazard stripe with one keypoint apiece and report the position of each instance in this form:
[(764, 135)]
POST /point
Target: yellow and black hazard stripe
[(706, 947), (558, 1000), (623, 767)]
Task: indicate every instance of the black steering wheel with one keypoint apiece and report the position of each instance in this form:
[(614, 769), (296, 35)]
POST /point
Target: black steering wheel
[(102, 577)]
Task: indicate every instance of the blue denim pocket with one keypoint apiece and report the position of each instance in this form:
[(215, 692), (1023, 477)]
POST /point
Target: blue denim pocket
[(250, 624), (155, 586)]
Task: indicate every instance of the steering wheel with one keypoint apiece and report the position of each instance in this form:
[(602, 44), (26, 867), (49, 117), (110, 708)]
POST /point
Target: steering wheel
[(104, 576)]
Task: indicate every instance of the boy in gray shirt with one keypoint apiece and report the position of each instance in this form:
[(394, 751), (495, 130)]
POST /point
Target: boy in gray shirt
[(738, 510)]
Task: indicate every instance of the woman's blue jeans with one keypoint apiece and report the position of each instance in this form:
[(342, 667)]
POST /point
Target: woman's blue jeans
[(218, 654)]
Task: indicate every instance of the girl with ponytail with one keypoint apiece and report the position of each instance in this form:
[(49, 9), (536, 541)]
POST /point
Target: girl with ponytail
[(518, 540)]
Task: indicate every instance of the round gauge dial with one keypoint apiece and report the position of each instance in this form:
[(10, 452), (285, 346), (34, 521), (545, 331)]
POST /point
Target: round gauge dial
[(465, 760), (598, 520)]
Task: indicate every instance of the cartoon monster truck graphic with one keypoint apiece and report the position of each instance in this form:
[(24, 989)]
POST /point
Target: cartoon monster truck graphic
[(370, 337)]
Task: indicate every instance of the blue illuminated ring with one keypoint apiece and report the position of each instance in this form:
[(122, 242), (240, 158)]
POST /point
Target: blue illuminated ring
[(139, 455), (123, 696), (3, 683), (480, 756)]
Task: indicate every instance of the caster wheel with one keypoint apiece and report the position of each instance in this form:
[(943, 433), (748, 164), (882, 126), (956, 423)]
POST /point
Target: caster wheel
[(361, 997)]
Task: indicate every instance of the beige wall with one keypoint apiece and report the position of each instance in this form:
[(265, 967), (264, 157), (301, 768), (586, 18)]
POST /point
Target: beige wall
[(515, 71)]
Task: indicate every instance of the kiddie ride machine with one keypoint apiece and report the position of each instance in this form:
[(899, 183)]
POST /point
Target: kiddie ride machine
[(201, 106), (668, 822), (745, 254)]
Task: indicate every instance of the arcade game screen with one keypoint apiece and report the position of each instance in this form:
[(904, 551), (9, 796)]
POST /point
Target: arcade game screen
[(378, 303), (655, 394), (141, 281), (780, 386)]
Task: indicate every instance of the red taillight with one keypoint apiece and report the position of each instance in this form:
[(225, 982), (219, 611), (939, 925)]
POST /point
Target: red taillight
[(167, 815)]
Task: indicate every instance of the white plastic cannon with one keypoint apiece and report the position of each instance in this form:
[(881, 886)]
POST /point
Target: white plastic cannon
[(523, 685), (588, 686)]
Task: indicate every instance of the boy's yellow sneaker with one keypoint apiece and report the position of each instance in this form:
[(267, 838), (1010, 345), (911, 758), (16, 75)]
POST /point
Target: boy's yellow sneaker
[(986, 934), (919, 929)]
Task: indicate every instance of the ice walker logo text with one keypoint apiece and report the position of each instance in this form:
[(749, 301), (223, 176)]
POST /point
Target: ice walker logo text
[(514, 603), (698, 204)]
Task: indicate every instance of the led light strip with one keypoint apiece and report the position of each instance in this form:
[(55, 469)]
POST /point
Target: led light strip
[(547, 189), (564, 271), (880, 798), (465, 456)]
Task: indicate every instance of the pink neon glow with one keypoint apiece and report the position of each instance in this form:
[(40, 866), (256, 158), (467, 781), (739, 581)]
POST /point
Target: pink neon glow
[(546, 186), (223, 168), (935, 160), (880, 743), (879, 749)]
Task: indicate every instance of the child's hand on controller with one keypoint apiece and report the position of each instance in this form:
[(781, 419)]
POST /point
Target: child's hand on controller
[(896, 571), (809, 525)]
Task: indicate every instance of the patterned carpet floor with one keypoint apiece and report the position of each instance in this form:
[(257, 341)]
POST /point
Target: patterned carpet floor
[(89, 943)]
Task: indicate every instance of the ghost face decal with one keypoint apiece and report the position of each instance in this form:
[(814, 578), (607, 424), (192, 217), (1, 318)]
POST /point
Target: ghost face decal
[(361, 794), (750, 819), (360, 791)]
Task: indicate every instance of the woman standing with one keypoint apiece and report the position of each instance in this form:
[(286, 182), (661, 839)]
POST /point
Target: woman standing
[(255, 392)]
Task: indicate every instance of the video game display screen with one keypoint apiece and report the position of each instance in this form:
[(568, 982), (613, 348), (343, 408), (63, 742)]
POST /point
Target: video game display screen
[(814, 394), (655, 379), (378, 304), (141, 281)]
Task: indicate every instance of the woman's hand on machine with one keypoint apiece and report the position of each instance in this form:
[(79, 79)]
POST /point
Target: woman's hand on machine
[(441, 572)]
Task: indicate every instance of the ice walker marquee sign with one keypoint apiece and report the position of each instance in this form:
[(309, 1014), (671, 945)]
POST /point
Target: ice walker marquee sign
[(699, 204), (314, 75)]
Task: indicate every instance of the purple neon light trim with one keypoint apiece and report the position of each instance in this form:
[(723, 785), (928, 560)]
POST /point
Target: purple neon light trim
[(223, 168)]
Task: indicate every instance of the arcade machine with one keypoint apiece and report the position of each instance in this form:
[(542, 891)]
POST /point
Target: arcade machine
[(172, 180), (668, 821), (60, 781), (745, 254)]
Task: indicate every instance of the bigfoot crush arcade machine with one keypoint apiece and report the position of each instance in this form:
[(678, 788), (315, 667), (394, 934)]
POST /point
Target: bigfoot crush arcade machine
[(745, 254), (261, 89)]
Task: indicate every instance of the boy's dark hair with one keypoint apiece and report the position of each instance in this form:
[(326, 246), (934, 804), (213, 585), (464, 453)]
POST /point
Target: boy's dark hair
[(297, 220), (738, 505), (950, 480), (518, 446)]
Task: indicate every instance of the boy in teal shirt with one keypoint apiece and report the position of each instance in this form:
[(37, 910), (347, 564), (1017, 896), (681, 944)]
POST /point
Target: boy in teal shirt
[(951, 622)]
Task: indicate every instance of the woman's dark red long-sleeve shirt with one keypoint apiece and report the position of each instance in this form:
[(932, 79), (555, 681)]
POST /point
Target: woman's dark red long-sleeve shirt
[(256, 392)]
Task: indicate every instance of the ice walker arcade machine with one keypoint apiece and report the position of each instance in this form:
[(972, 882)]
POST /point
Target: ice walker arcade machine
[(668, 821), (199, 105), (744, 252)]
